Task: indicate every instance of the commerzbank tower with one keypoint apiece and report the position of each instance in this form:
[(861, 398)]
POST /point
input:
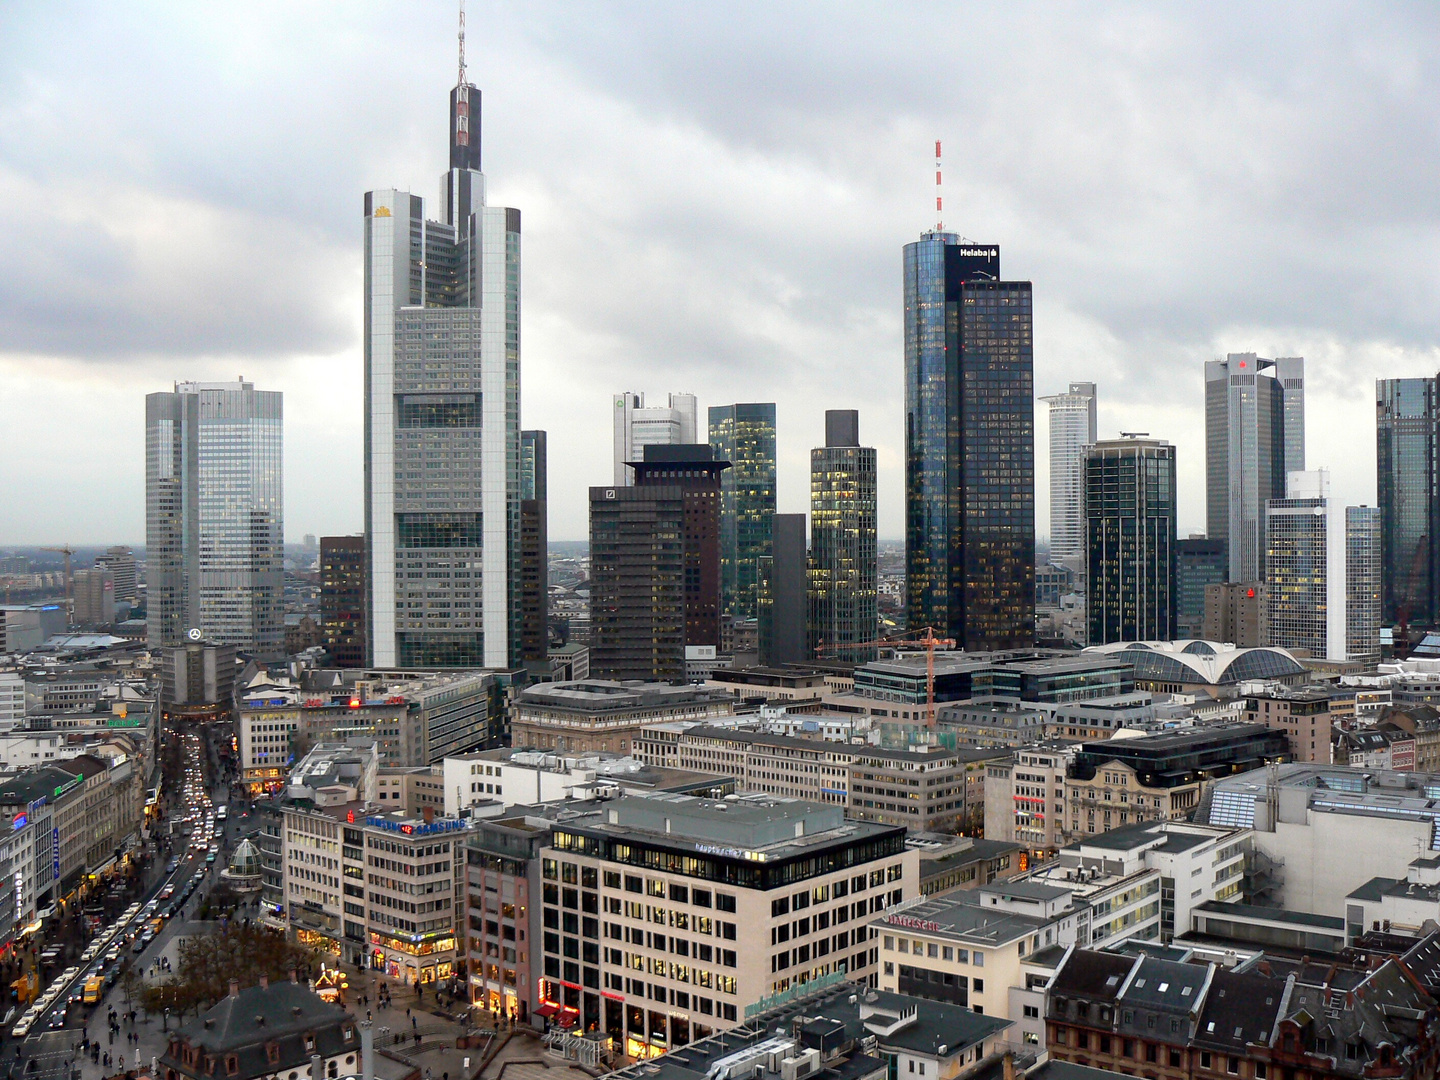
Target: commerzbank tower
[(442, 417)]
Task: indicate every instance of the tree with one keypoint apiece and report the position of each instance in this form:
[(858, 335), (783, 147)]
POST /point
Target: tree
[(234, 951)]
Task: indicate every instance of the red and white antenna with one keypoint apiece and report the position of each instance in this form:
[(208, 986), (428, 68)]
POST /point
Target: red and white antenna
[(462, 45), (939, 204)]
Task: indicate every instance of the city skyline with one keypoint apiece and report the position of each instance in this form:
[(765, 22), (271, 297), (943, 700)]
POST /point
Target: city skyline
[(290, 320)]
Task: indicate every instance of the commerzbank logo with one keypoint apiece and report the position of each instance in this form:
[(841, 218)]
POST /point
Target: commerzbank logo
[(382, 211)]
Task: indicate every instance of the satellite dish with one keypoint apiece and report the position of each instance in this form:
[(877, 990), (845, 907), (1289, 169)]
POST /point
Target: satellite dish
[(195, 633)]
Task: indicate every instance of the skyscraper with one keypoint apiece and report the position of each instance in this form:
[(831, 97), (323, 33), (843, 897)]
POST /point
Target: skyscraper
[(214, 516), (1362, 583), (1254, 436), (1072, 429), (655, 565), (442, 408), (744, 435), (1305, 580), (1407, 412), (781, 595), (534, 547), (638, 426), (844, 574), (342, 599), (1130, 540), (969, 445), (94, 596), (121, 562), (1199, 562)]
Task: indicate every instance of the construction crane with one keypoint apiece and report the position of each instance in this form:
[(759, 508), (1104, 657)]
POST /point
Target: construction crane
[(929, 642), (67, 551)]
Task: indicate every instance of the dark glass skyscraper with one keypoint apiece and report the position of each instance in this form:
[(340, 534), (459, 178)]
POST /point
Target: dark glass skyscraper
[(534, 548), (1199, 561), (1254, 436), (342, 599), (969, 445), (844, 593), (744, 435), (1406, 415), (1130, 540)]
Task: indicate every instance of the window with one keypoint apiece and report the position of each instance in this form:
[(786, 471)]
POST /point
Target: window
[(1205, 1059), (1032, 1012), (725, 902)]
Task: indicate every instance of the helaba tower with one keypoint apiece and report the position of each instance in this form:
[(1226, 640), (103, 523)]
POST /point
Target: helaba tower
[(969, 445), (442, 417)]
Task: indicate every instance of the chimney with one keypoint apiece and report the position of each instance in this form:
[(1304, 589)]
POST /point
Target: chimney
[(367, 1051), (428, 813), (317, 1067), (1007, 1065), (234, 988), (264, 981)]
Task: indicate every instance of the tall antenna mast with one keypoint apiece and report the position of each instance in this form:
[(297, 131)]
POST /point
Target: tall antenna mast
[(939, 205), (462, 46)]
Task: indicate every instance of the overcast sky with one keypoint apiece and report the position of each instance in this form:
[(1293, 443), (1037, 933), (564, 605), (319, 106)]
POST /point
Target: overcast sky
[(714, 199)]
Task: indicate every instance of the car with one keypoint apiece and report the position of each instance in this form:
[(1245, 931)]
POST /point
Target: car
[(167, 892), (172, 865), (139, 945), (210, 859)]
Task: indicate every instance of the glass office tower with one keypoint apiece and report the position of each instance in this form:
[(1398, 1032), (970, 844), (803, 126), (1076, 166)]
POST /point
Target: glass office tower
[(534, 547), (969, 445), (844, 599), (214, 516), (1199, 562), (442, 419), (744, 435), (1406, 415), (1254, 436), (1362, 583), (1072, 429), (638, 425), (1130, 540), (1305, 577)]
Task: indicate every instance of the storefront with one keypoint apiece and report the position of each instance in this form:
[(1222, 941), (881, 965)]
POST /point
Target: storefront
[(422, 959), (317, 941)]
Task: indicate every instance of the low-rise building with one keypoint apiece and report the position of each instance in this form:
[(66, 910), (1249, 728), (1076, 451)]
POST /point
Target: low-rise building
[(264, 1031), (515, 777), (1156, 777), (1264, 1020), (584, 717), (966, 949), (949, 863), (836, 1034), (1305, 716), (1025, 797), (665, 916)]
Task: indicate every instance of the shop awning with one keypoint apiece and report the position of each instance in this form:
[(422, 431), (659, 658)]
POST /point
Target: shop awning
[(547, 1009)]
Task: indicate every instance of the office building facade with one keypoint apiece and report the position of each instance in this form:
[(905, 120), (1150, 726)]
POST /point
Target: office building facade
[(1363, 582), (1130, 540), (969, 445), (442, 409), (655, 565), (782, 595), (1254, 436), (94, 593), (534, 548), (844, 571), (1072, 429), (1407, 412), (1237, 612), (1199, 562), (744, 435), (1305, 568), (342, 599), (120, 561), (638, 426), (754, 895), (214, 516)]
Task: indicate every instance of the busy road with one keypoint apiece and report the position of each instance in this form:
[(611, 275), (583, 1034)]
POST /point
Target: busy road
[(197, 823)]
